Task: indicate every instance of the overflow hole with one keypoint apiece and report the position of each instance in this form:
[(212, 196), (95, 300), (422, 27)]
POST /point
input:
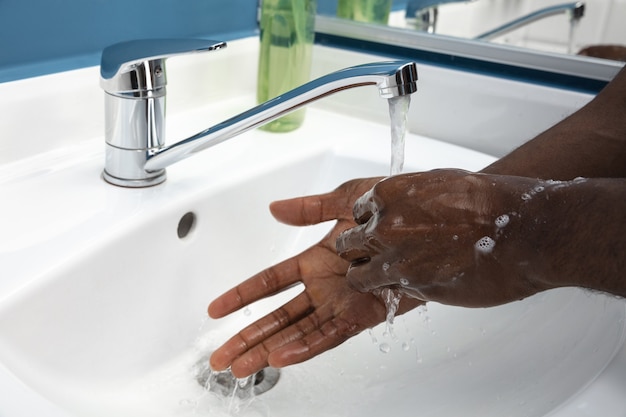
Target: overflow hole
[(186, 225)]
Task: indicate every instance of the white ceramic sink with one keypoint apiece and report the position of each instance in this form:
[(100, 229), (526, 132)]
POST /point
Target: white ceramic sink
[(103, 305), (113, 317)]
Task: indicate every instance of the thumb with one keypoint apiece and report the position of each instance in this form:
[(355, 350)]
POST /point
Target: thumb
[(305, 211)]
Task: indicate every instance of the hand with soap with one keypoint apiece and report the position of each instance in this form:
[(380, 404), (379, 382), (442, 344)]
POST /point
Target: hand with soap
[(324, 315), (479, 240), (447, 235)]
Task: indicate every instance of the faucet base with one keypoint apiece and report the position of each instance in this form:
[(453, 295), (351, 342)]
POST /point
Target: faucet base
[(146, 182), (126, 167)]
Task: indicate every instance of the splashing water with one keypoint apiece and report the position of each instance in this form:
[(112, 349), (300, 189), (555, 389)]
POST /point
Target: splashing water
[(236, 393), (398, 112), (391, 298)]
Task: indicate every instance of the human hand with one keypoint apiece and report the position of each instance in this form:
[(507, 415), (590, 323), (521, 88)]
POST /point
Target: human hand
[(325, 314), (447, 235)]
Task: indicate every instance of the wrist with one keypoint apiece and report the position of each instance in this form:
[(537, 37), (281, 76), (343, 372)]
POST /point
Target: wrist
[(573, 228)]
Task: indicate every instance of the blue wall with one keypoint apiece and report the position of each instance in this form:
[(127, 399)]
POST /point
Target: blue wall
[(44, 36)]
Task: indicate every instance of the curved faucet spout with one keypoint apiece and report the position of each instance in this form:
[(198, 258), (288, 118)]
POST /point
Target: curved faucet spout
[(576, 11), (135, 152), (392, 78)]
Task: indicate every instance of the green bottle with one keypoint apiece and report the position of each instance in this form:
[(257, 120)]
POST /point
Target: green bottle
[(287, 32), (369, 11)]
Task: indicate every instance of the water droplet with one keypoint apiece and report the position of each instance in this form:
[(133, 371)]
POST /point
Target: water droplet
[(386, 266), (526, 196), (247, 311), (406, 346), (404, 281), (391, 298), (539, 188), (455, 237), (374, 340), (384, 347), (243, 382)]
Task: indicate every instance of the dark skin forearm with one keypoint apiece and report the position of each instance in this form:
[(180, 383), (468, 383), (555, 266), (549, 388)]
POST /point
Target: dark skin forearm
[(479, 240), (589, 143), (579, 234)]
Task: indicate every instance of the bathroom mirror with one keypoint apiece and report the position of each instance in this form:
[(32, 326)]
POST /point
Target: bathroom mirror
[(544, 35)]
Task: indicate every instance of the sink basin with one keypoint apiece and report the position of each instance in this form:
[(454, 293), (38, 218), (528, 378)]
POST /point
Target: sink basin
[(108, 316)]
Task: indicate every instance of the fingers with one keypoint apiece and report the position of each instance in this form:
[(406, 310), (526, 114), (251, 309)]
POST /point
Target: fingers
[(304, 211), (329, 335), (248, 351), (367, 276), (367, 271), (352, 245), (252, 344), (270, 281), (364, 207), (357, 244)]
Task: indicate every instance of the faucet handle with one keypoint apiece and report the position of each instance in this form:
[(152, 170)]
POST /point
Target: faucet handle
[(136, 68)]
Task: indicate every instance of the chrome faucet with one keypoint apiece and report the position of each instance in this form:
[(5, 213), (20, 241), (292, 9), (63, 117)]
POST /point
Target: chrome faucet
[(423, 15), (575, 10), (133, 77)]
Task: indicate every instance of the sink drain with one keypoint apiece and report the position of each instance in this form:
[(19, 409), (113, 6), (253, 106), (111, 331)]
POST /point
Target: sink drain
[(226, 384)]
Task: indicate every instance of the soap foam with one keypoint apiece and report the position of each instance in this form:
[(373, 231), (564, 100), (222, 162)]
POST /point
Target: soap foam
[(485, 244), (502, 221)]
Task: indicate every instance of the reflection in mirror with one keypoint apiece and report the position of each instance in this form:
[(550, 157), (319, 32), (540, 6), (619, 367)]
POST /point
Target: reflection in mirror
[(369, 11), (589, 28)]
